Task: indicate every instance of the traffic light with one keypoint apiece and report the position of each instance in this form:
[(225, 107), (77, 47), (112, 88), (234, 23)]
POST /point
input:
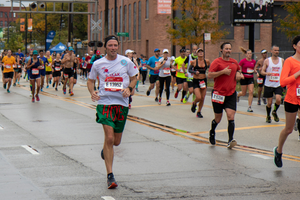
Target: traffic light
[(99, 44), (32, 5), (91, 43)]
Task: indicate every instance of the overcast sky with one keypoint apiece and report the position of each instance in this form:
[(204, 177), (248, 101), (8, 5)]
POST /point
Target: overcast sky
[(15, 3)]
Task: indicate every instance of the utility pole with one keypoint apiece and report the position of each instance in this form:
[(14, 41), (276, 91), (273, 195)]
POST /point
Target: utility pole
[(106, 18), (45, 28)]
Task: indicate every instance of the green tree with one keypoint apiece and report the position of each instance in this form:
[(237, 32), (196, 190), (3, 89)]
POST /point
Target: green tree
[(290, 25), (15, 37), (198, 17)]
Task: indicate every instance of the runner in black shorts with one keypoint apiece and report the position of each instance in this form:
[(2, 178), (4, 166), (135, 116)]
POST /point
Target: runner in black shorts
[(224, 70), (261, 79), (56, 64)]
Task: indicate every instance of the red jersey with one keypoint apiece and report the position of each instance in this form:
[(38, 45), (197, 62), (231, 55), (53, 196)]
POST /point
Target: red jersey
[(225, 85), (88, 59), (247, 67)]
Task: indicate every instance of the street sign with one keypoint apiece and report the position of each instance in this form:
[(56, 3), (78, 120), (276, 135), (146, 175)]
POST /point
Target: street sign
[(207, 37), (123, 34), (96, 25)]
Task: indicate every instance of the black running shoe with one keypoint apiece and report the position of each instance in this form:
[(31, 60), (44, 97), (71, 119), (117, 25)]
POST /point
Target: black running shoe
[(277, 158), (53, 84), (199, 115), (265, 101), (4, 86), (148, 92), (268, 119), (102, 155), (111, 181), (156, 99), (193, 108), (276, 118), (212, 139)]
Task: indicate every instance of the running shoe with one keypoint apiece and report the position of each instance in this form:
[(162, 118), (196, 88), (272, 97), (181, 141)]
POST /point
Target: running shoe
[(156, 99), (47, 86), (56, 89), (18, 83), (71, 94), (4, 85), (37, 97), (199, 115), (212, 139), (268, 119), (168, 103), (53, 84), (276, 118), (277, 158), (14, 84), (8, 91), (137, 89), (129, 106), (42, 90), (32, 100), (193, 108), (102, 155), (265, 101), (181, 100), (258, 102), (176, 94), (70, 91), (295, 126), (148, 92), (249, 109), (64, 91), (231, 144), (159, 101), (50, 81), (111, 182)]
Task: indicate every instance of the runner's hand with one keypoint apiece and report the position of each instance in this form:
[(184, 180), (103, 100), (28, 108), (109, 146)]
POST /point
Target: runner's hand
[(126, 92), (227, 71), (242, 76), (95, 96)]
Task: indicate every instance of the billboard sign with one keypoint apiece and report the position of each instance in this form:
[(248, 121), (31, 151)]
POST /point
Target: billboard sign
[(164, 6), (252, 11)]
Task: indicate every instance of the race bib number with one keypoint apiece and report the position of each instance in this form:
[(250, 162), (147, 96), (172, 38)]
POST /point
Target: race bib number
[(250, 70), (298, 91), (113, 84), (144, 67), (35, 71), (260, 80), (57, 68), (156, 71), (166, 71), (7, 66), (66, 75), (19, 66), (173, 70), (275, 77), (202, 84), (217, 98)]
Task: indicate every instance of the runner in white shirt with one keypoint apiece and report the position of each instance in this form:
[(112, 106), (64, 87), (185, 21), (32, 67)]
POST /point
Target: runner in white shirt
[(272, 69), (117, 75)]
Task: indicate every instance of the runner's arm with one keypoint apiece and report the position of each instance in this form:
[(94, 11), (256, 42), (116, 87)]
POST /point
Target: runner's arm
[(285, 76), (225, 71), (127, 91), (264, 68)]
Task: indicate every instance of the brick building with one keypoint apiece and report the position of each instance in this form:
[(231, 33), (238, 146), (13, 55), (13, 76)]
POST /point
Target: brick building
[(6, 17), (147, 28)]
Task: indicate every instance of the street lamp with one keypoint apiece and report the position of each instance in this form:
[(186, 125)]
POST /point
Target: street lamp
[(7, 27)]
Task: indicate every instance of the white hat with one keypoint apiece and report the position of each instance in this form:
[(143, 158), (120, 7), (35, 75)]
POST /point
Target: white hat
[(172, 58), (165, 51), (128, 51)]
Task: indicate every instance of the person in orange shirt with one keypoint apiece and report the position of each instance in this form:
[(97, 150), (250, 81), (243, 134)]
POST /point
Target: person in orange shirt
[(8, 72), (290, 77)]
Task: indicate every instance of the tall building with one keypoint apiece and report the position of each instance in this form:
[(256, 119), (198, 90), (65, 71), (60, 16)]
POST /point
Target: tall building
[(146, 24), (6, 17)]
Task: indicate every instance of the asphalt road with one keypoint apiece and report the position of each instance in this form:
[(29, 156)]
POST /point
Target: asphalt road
[(51, 150)]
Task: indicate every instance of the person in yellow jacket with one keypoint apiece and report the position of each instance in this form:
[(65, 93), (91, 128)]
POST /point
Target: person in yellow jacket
[(8, 71), (48, 69)]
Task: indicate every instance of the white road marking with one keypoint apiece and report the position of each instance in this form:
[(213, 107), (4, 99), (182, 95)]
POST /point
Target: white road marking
[(30, 149), (1, 127), (261, 156), (107, 198)]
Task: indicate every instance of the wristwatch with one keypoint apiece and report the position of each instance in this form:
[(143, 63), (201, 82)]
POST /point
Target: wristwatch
[(130, 88)]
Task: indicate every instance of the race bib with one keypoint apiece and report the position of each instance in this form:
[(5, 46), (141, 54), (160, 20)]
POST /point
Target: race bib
[(202, 84), (250, 70), (84, 66), (217, 98), (113, 84), (274, 77), (66, 75), (298, 91), (35, 71), (7, 66), (260, 80), (156, 71), (166, 71), (19, 66), (57, 68), (173, 70), (42, 67), (144, 66)]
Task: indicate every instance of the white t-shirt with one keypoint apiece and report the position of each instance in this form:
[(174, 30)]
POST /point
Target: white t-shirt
[(273, 80), (113, 75), (165, 70)]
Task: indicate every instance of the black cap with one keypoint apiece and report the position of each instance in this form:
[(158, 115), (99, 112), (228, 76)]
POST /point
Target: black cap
[(182, 50)]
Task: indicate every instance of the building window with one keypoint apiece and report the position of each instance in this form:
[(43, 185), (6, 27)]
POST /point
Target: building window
[(125, 20), (120, 23), (147, 9), (134, 21), (112, 21), (256, 32), (129, 21), (101, 26), (9, 14), (108, 23), (1, 24), (14, 14), (5, 24), (224, 7), (139, 21), (1, 14)]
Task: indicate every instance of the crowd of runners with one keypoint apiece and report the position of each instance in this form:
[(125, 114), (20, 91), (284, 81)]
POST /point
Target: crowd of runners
[(112, 80)]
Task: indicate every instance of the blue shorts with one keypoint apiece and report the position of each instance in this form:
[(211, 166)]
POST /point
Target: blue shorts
[(43, 72), (33, 77)]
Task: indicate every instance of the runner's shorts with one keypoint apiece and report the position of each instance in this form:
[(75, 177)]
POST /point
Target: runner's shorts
[(264, 78), (48, 72), (247, 81), (229, 102), (68, 73), (42, 72), (291, 108), (153, 78), (8, 75), (268, 91), (112, 115), (173, 73), (196, 82), (56, 74), (180, 80)]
